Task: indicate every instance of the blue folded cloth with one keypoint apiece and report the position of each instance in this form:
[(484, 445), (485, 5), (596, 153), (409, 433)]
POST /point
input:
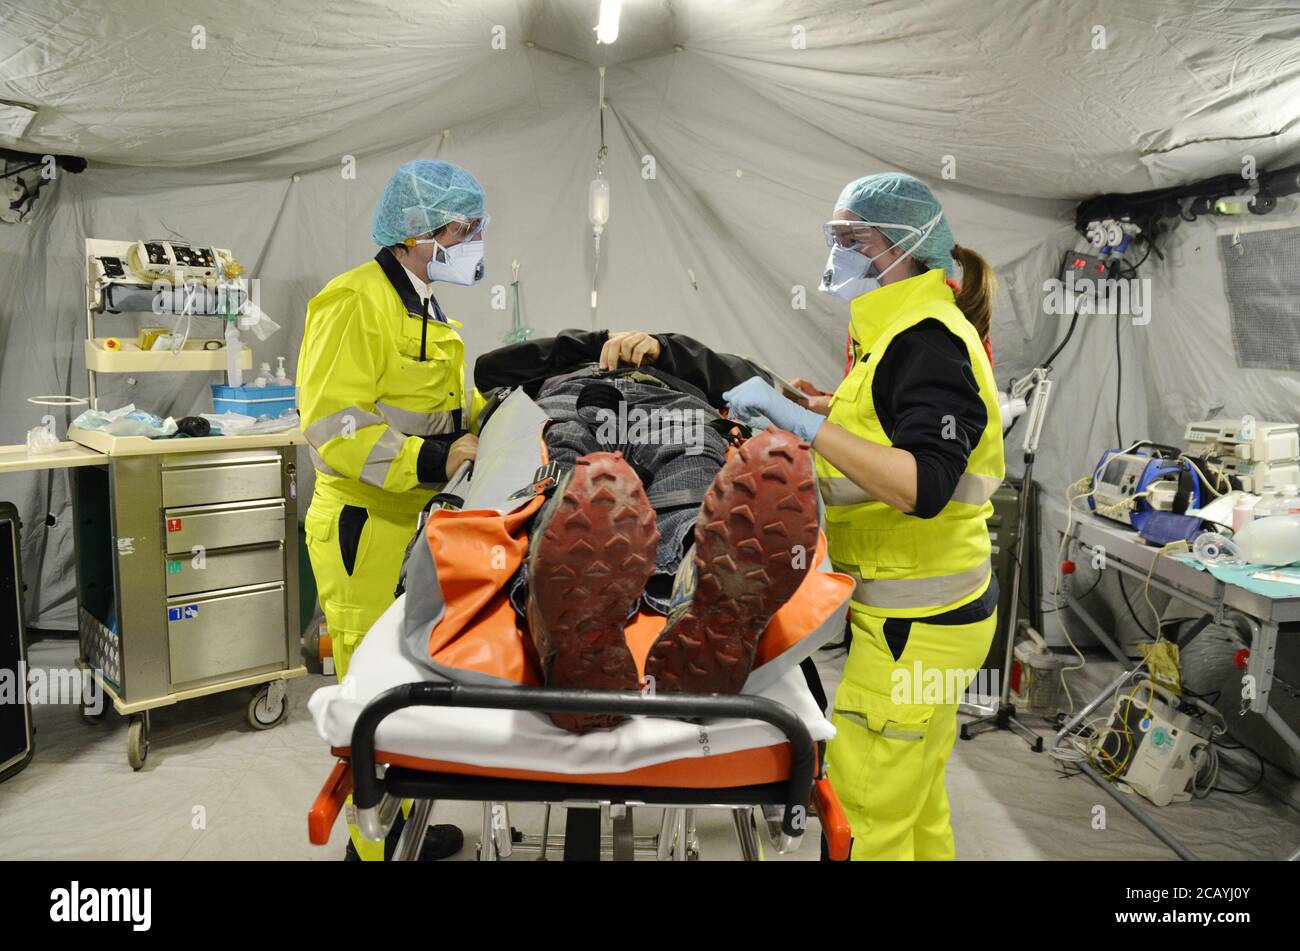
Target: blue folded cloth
[(1240, 575)]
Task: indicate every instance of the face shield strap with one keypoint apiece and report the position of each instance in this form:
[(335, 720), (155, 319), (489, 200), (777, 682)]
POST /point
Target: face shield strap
[(924, 233), (920, 234)]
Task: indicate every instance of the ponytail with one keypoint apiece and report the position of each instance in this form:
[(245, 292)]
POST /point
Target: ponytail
[(978, 285)]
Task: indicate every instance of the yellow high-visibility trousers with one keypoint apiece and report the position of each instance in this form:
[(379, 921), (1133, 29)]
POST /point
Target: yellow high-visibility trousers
[(356, 555), (896, 719)]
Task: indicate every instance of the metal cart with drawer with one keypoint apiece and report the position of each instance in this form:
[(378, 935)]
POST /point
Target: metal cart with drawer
[(187, 569)]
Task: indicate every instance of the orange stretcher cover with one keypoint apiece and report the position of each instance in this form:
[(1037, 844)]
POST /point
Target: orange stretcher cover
[(475, 553)]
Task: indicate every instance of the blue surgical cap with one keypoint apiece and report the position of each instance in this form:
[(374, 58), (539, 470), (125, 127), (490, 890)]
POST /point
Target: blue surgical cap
[(422, 196), (895, 198)]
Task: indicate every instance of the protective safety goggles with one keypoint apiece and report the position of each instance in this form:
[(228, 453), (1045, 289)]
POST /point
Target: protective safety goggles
[(854, 234), (471, 229)]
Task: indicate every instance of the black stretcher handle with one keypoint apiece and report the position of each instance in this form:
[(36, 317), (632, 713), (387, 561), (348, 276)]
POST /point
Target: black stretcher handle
[(368, 788)]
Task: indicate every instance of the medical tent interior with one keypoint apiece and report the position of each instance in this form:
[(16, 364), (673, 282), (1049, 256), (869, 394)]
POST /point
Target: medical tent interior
[(1148, 146)]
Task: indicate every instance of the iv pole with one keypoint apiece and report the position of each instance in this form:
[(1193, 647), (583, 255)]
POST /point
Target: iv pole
[(598, 198), (1003, 716)]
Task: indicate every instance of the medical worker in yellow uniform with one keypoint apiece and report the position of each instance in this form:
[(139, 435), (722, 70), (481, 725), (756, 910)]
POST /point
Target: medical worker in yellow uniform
[(908, 453), (384, 407)]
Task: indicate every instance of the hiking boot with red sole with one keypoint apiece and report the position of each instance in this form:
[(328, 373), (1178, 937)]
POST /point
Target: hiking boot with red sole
[(588, 564), (754, 540)]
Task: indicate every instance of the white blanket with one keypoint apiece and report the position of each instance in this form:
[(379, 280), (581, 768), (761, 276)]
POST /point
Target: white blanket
[(520, 740)]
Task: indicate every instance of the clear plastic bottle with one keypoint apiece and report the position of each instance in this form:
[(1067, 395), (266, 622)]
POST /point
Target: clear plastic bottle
[(263, 375), (1264, 508), (1271, 541), (1289, 502), (1243, 513)]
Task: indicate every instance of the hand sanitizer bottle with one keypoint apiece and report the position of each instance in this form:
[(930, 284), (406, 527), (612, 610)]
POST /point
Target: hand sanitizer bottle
[(281, 378)]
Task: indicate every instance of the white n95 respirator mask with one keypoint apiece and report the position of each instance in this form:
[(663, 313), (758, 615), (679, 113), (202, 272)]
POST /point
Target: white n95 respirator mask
[(849, 273), (460, 264), (846, 274)]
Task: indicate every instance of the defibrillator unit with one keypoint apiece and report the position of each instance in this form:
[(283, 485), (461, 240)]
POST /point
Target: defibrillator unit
[(1130, 486)]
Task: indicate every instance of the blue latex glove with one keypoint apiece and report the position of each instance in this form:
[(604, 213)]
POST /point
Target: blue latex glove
[(756, 397)]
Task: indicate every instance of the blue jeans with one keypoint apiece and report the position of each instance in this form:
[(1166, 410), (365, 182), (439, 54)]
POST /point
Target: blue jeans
[(664, 436)]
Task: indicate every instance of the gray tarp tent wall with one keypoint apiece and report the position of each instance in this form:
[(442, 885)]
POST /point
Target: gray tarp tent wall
[(755, 114)]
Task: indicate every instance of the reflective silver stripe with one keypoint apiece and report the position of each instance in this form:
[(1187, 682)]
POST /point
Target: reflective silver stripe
[(413, 423), (921, 592), (971, 488), (347, 420), (381, 458), (320, 465), (837, 490), (975, 489)]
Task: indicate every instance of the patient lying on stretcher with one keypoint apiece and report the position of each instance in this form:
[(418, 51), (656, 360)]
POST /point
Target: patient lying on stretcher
[(645, 480)]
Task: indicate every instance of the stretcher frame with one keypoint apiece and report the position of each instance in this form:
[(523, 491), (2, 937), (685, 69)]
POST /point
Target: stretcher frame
[(378, 788)]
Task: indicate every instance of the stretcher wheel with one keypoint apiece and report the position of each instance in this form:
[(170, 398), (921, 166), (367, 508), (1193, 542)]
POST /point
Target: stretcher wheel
[(267, 706), (137, 744)]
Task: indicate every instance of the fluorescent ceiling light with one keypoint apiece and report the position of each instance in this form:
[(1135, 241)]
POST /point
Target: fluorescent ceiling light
[(607, 26)]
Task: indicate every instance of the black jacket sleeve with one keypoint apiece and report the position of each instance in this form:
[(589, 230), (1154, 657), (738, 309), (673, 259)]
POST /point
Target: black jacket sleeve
[(682, 358), (929, 404), (527, 364), (711, 372), (431, 463)]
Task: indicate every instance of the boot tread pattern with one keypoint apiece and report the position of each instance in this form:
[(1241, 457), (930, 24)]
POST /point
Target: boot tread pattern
[(761, 510), (589, 567)]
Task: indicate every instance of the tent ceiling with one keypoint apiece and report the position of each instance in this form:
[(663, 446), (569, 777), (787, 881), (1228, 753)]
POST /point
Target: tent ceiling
[(1013, 90)]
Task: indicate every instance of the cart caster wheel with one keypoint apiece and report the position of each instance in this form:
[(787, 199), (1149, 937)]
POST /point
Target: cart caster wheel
[(268, 706), (137, 745)]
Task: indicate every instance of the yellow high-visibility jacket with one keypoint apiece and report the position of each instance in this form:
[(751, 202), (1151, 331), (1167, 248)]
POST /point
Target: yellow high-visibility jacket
[(908, 566), (375, 374)]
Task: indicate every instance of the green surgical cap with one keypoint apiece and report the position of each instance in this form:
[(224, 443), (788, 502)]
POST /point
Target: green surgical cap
[(895, 198), (422, 196)]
